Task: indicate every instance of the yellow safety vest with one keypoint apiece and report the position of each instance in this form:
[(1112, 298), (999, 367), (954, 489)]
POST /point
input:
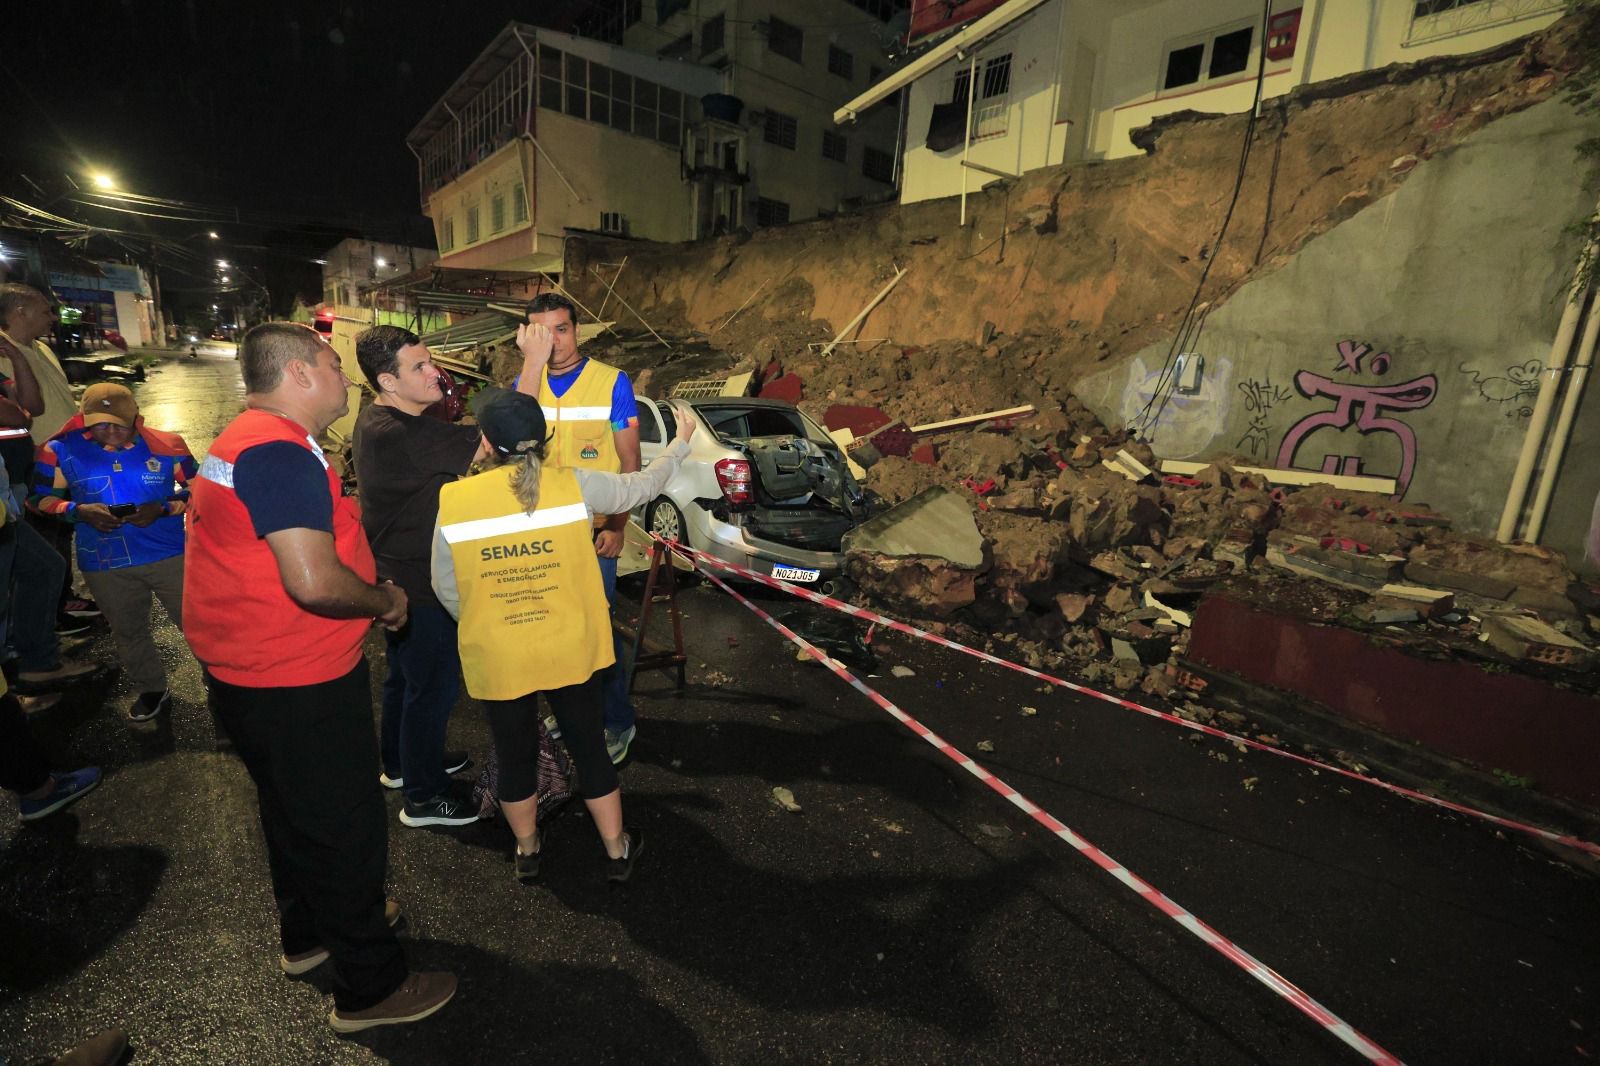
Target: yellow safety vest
[(533, 609), (581, 420)]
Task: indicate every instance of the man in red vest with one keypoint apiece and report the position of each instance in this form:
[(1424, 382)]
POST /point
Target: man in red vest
[(279, 591)]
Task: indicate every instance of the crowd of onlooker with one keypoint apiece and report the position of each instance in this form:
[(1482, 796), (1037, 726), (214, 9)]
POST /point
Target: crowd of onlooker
[(487, 553)]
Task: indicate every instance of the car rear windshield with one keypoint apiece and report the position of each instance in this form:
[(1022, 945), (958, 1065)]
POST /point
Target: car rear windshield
[(742, 423)]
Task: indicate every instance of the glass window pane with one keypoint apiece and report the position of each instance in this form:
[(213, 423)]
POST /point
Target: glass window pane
[(644, 121), (599, 78), (1230, 52), (644, 93), (670, 130), (549, 61), (1183, 66), (621, 86), (576, 104), (550, 93), (599, 108), (621, 116), (671, 102), (577, 70)]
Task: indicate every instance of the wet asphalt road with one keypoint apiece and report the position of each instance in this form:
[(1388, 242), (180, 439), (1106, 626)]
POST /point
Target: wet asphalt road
[(907, 913)]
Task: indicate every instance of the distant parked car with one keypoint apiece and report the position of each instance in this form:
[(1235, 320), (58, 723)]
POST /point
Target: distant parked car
[(764, 487)]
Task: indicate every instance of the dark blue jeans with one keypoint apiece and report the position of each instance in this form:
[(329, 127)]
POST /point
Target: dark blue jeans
[(619, 712), (30, 591), (423, 683)]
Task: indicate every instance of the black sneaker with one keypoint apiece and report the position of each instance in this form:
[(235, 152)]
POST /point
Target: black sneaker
[(619, 870), (454, 763), (441, 810), (148, 705), (527, 866)]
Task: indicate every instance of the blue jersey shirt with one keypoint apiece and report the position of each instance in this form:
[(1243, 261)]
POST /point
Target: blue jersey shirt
[(134, 475), (624, 408)]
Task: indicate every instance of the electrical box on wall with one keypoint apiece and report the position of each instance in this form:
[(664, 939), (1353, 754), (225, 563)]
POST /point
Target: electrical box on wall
[(1283, 33)]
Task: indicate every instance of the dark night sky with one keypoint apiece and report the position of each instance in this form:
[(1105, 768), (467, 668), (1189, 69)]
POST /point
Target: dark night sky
[(296, 109)]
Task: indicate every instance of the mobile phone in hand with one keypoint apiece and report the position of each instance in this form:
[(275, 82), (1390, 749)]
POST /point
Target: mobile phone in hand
[(123, 510)]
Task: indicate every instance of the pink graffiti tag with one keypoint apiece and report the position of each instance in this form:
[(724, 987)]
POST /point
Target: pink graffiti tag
[(1372, 401)]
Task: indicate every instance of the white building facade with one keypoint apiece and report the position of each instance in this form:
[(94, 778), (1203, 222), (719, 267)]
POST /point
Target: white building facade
[(547, 132), (1053, 81), (790, 66), (353, 265)]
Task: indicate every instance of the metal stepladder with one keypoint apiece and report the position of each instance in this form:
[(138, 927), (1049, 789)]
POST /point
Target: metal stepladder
[(660, 585)]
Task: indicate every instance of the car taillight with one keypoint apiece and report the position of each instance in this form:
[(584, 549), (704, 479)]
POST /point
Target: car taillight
[(734, 477)]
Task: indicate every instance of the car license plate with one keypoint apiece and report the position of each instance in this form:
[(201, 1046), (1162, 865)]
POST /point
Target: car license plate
[(795, 573)]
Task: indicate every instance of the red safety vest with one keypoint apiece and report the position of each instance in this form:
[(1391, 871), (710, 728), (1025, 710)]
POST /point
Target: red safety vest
[(236, 615)]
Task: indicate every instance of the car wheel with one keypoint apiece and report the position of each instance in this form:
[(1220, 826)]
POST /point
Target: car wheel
[(666, 521)]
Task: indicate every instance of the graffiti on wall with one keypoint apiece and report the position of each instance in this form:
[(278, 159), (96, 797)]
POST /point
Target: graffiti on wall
[(1514, 388), (1260, 395), (1360, 407), (1189, 421)]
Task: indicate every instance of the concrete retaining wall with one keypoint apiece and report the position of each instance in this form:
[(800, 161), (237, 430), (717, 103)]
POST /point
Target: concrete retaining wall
[(1407, 342)]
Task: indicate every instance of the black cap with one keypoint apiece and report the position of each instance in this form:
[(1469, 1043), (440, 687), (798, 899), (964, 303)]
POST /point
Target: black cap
[(512, 421)]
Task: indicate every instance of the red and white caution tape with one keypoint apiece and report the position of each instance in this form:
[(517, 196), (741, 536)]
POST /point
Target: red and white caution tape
[(1235, 954), (1551, 835)]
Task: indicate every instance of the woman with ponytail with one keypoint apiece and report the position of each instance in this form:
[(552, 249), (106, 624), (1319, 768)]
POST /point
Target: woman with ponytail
[(514, 562)]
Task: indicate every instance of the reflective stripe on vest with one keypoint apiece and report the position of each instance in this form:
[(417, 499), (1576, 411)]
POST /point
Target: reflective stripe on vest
[(580, 420), (533, 608), (237, 617)]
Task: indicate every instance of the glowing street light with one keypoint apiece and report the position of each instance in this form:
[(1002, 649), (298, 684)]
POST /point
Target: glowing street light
[(381, 262), (103, 180), (226, 279), (213, 235), (223, 263)]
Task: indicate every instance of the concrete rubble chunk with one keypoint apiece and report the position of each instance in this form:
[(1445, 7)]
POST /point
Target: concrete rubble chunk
[(935, 522), (1525, 637)]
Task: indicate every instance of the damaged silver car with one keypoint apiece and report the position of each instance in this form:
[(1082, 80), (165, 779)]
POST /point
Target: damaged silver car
[(764, 487)]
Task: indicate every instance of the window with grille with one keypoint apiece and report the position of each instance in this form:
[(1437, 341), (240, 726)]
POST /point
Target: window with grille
[(834, 146), (497, 214), (771, 212), (781, 130), (1221, 53), (841, 62), (519, 204), (447, 235), (712, 33), (472, 225), (997, 77), (877, 165), (786, 39), (1432, 20)]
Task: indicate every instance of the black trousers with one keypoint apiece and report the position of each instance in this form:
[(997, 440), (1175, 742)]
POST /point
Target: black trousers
[(580, 711), (22, 765), (312, 754)]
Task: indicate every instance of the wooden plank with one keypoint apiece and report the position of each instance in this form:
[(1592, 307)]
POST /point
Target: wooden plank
[(968, 420), (865, 311), (1350, 483)]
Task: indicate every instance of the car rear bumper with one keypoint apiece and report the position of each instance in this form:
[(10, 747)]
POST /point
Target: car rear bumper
[(732, 544)]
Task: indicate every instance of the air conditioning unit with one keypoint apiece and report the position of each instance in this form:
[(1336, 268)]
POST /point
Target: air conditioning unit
[(613, 222)]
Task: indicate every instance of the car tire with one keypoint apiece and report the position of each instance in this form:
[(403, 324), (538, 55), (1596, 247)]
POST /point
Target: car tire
[(665, 520)]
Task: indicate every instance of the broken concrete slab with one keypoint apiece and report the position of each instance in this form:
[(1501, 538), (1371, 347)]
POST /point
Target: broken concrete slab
[(919, 585), (1525, 637), (935, 522), (1491, 588)]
